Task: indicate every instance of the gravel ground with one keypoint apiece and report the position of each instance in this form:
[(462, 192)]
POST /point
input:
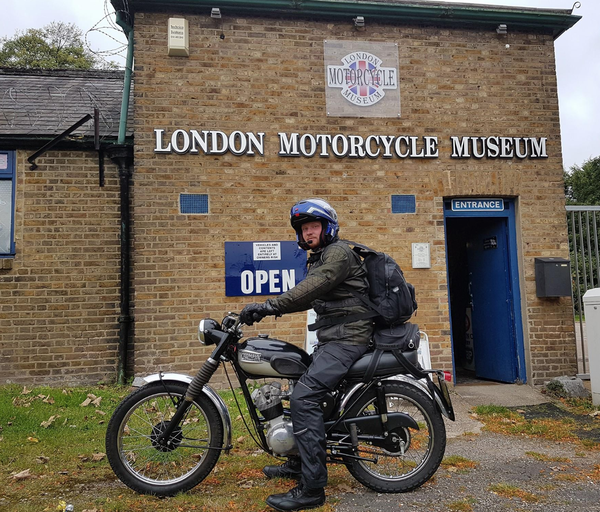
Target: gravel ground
[(559, 486), (559, 478)]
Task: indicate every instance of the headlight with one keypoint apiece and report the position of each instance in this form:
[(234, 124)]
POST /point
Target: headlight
[(206, 325)]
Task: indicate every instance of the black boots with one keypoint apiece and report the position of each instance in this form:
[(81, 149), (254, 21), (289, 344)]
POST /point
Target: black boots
[(299, 498), (290, 469)]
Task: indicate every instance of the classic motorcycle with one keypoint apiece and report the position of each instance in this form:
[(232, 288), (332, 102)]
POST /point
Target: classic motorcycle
[(166, 437)]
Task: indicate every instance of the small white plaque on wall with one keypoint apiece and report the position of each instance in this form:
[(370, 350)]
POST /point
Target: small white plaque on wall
[(178, 37), (421, 255)]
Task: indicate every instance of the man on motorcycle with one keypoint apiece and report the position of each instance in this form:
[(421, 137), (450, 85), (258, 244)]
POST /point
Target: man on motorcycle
[(333, 270)]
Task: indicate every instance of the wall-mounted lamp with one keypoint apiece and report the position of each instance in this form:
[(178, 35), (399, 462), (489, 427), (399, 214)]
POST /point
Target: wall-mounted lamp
[(215, 13), (359, 21), (502, 29)]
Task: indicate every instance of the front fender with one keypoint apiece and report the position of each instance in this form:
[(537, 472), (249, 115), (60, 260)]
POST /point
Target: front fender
[(212, 395)]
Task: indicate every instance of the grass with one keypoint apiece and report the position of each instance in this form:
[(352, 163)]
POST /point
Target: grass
[(509, 422), (542, 457), (64, 460), (458, 464), (56, 437), (464, 505), (512, 491)]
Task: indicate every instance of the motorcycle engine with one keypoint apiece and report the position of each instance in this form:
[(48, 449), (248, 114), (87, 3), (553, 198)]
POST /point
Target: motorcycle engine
[(279, 432)]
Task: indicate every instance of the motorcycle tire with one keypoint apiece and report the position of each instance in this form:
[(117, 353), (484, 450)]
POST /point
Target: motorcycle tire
[(408, 457), (149, 468)]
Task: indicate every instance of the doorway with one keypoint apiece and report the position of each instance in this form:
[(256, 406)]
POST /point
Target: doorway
[(484, 296)]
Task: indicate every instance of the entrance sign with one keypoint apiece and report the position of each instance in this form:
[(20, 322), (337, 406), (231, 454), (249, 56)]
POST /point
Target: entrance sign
[(478, 205), (362, 79), (262, 268)]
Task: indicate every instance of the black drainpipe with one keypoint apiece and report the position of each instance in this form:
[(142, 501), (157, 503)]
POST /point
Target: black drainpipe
[(122, 156)]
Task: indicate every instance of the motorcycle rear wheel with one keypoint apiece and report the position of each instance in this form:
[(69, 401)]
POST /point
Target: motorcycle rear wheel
[(394, 471), (149, 468)]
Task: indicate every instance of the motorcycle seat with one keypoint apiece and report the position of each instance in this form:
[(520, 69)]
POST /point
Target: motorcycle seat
[(388, 364)]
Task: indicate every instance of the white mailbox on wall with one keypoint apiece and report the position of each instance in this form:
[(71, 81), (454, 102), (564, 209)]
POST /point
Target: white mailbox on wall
[(591, 301)]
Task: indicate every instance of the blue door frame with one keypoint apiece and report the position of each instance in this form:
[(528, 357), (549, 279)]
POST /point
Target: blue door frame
[(506, 212)]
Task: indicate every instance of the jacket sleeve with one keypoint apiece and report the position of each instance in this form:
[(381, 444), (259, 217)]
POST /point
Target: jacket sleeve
[(320, 280)]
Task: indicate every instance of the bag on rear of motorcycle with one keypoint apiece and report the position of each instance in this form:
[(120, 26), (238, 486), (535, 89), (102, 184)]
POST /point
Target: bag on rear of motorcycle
[(400, 337)]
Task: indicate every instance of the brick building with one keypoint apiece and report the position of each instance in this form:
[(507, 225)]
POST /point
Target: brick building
[(59, 226), (432, 128)]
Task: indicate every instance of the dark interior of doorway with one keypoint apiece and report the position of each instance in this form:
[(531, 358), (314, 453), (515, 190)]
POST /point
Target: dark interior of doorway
[(458, 231)]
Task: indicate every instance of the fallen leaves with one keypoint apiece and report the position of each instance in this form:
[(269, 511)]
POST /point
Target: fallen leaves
[(23, 475), (49, 421), (25, 401), (96, 457), (91, 399)]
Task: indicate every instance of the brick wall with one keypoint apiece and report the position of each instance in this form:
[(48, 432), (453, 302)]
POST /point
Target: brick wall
[(267, 75), (59, 303)]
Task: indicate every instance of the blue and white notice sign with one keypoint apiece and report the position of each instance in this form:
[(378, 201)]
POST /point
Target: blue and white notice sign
[(262, 268), (474, 204)]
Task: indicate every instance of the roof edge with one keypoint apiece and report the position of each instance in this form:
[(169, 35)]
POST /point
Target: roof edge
[(68, 73), (554, 21)]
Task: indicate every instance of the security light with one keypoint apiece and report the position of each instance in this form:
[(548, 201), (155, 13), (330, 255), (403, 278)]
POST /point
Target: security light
[(359, 21)]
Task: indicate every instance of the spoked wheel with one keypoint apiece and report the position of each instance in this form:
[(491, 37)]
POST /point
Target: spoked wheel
[(408, 457), (149, 467)]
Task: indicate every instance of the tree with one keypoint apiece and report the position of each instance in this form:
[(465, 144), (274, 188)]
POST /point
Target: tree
[(56, 46), (582, 184)]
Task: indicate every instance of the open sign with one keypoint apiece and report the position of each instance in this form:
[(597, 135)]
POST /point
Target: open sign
[(262, 268)]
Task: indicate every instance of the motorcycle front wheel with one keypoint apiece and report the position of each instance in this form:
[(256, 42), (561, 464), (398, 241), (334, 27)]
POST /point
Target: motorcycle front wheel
[(408, 457), (148, 467)]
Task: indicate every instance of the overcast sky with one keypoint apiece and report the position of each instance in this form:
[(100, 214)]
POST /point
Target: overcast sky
[(577, 57)]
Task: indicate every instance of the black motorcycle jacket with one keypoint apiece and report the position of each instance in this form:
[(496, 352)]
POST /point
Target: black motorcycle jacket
[(332, 272)]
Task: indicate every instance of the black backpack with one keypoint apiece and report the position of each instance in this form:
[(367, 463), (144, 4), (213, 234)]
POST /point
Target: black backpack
[(391, 298)]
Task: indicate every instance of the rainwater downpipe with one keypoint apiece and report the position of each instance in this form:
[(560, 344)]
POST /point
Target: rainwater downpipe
[(122, 155)]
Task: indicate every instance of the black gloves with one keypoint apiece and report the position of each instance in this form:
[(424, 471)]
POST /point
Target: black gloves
[(256, 312)]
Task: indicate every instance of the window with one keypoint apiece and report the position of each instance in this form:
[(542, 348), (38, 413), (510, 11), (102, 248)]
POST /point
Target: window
[(193, 203), (7, 201), (404, 204)]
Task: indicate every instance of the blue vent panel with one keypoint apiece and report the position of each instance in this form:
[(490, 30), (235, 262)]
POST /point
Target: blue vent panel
[(404, 204), (193, 203)]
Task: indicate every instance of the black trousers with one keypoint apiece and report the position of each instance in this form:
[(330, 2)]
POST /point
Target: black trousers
[(329, 365)]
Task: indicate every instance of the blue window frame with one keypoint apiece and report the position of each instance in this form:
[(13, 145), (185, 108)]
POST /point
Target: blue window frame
[(7, 204)]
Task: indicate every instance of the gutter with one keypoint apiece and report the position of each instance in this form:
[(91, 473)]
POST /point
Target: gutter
[(554, 21), (122, 155), (128, 30)]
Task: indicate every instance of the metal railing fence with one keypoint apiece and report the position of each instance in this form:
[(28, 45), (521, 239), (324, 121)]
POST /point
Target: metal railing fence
[(584, 225)]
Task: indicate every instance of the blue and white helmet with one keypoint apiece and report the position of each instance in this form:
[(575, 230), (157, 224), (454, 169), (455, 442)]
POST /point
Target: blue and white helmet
[(309, 210)]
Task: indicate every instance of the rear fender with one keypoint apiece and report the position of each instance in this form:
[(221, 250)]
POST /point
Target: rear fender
[(410, 380), (212, 395), (446, 410)]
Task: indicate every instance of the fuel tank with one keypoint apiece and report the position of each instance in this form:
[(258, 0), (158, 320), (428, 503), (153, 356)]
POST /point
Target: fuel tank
[(269, 357)]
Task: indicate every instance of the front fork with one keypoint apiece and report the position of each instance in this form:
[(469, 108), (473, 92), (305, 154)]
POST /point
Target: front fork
[(194, 389)]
